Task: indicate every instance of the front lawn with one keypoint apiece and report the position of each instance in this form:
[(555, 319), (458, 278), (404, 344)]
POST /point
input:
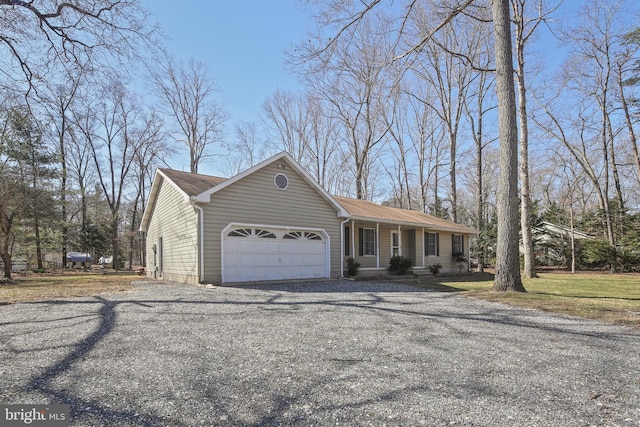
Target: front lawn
[(607, 297), (51, 286)]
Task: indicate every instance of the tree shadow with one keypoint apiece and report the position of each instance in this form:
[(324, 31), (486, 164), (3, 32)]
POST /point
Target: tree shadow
[(278, 298)]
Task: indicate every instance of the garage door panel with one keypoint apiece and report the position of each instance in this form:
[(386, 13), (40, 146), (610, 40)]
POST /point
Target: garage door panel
[(264, 253)]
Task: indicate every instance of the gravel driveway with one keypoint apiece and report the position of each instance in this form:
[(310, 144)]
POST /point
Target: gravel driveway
[(335, 353)]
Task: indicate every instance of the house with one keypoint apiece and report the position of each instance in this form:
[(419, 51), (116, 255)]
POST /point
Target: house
[(275, 222), (551, 240)]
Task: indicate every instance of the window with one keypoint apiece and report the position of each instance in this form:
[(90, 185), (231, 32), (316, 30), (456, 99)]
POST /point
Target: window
[(265, 234), (457, 244), (295, 235), (281, 181), (347, 241), (431, 244), (240, 232), (367, 241), (395, 244)]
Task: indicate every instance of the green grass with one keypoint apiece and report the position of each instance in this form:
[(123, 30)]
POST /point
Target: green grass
[(607, 297)]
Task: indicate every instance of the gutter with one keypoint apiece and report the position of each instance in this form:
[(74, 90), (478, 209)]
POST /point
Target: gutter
[(192, 202)]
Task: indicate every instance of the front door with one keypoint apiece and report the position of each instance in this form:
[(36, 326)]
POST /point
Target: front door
[(395, 244)]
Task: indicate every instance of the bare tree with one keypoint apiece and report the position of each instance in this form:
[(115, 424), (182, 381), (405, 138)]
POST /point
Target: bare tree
[(57, 101), (356, 82), (152, 152), (115, 142), (187, 91), (349, 22), (245, 150), (300, 124), (507, 255), (592, 84), (36, 37), (478, 104), (525, 27), (444, 65)]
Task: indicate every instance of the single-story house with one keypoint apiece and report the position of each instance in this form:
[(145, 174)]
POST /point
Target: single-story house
[(549, 240), (275, 222)]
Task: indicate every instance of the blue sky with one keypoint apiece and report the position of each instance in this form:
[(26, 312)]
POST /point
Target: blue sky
[(241, 41), (243, 44)]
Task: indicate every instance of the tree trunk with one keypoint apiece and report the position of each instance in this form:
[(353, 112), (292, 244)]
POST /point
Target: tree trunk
[(36, 227), (525, 190), (507, 258), (479, 196), (63, 197)]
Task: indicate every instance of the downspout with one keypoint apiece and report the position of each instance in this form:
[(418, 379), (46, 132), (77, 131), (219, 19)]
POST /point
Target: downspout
[(200, 241), (342, 246)]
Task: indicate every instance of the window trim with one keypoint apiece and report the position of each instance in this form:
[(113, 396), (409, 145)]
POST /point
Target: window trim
[(436, 243), (395, 246), (453, 244), (347, 241), (363, 231)]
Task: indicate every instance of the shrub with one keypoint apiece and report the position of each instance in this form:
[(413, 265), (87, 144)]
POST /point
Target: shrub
[(596, 254), (435, 269), (352, 267), (400, 265)]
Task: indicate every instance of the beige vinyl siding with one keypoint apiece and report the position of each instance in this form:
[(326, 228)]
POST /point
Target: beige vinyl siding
[(413, 246), (446, 257), (255, 199), (176, 222), (407, 243)]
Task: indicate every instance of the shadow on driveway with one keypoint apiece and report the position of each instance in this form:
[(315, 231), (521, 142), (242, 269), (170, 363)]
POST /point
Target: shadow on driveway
[(308, 353)]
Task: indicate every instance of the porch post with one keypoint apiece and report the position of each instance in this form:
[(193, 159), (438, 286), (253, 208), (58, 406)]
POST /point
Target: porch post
[(353, 239), (423, 246), (399, 241), (377, 245)]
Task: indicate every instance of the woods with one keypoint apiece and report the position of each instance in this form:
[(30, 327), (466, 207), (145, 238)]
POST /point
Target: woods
[(459, 109)]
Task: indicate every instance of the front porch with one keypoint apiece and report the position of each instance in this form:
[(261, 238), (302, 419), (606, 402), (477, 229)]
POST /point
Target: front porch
[(373, 244)]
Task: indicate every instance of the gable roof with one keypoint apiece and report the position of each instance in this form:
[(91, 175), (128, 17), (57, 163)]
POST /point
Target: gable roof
[(205, 196), (549, 229), (367, 211), (191, 184), (198, 188)]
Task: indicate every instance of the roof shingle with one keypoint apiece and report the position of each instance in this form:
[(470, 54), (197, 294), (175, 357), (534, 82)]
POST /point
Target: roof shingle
[(192, 183), (365, 210)]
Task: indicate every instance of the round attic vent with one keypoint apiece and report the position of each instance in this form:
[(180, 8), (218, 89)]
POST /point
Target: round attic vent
[(281, 181)]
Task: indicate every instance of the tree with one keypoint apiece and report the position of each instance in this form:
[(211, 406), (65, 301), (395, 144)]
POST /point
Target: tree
[(115, 140), (444, 66), (301, 125), (356, 81), (507, 255), (187, 92), (57, 102), (38, 37), (245, 150), (25, 197), (524, 29), (349, 24)]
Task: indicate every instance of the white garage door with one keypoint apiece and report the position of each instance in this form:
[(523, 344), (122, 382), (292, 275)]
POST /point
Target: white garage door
[(260, 253)]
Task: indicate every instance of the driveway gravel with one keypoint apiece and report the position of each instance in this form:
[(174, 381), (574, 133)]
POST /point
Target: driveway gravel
[(337, 353)]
